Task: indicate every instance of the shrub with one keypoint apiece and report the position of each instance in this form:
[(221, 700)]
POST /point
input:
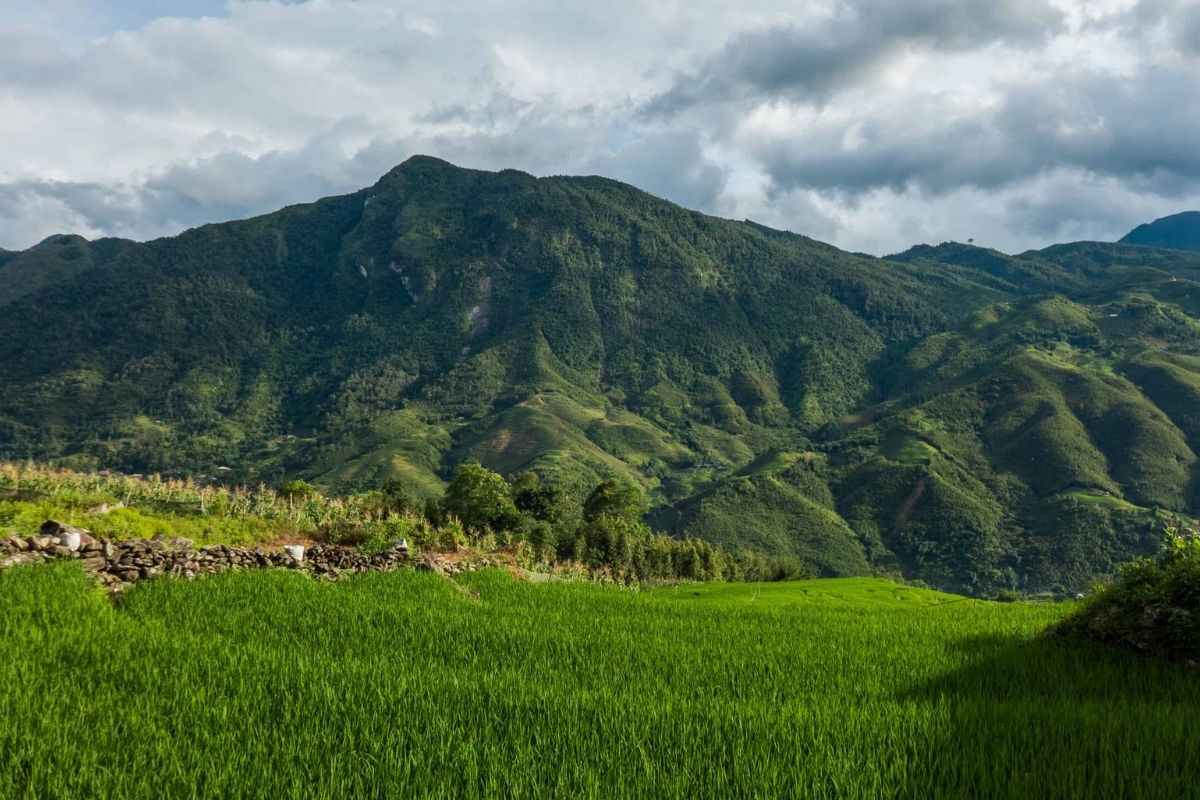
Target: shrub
[(1153, 607)]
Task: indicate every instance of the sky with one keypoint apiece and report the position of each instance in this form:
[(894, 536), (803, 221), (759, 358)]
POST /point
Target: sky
[(870, 124)]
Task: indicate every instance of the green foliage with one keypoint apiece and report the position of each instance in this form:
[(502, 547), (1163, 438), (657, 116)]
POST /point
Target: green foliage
[(1154, 607), (614, 498), (480, 498), (297, 489)]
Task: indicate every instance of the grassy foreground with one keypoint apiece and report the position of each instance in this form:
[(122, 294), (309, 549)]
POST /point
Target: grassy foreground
[(269, 684)]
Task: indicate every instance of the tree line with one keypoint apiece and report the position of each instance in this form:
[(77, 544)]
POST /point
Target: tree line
[(605, 533)]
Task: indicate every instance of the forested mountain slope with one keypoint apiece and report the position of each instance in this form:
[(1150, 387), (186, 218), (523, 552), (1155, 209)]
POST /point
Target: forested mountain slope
[(1178, 231), (952, 414)]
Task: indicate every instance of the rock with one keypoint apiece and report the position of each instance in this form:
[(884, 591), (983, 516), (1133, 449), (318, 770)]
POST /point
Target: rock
[(94, 563), (295, 551), (66, 535), (62, 551), (17, 543)]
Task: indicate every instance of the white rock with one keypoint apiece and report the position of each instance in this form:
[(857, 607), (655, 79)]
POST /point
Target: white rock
[(70, 539)]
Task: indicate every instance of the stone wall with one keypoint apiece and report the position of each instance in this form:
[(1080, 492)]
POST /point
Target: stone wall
[(119, 563)]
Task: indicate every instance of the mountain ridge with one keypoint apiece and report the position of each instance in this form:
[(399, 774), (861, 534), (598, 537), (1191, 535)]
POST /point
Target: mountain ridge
[(1177, 231), (950, 414)]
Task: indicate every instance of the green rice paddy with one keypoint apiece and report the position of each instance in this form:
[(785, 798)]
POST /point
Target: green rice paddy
[(269, 684)]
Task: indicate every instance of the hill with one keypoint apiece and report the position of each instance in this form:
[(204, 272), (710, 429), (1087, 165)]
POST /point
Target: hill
[(950, 414), (1178, 231)]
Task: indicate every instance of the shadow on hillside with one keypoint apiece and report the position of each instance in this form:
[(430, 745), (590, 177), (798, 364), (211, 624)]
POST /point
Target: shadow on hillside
[(1055, 719)]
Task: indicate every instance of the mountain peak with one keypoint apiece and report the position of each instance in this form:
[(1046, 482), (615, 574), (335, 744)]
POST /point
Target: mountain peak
[(420, 161), (60, 239), (951, 252), (422, 165), (1177, 231)]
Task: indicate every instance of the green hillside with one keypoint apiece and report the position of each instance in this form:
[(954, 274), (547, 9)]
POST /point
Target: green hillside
[(951, 414)]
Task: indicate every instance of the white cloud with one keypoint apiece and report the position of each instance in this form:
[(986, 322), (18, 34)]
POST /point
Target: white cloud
[(868, 123)]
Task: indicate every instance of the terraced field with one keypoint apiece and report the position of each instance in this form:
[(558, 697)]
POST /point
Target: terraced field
[(269, 684)]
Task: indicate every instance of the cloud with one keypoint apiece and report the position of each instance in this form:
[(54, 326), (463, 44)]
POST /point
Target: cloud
[(808, 63), (670, 164), (1140, 129), (869, 123)]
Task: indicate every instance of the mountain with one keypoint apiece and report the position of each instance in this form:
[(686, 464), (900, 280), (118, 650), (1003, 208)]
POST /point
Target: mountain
[(1178, 232), (53, 260), (950, 414)]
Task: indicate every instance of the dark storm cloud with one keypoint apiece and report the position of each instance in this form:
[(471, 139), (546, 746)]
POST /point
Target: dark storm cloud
[(1171, 23), (811, 61)]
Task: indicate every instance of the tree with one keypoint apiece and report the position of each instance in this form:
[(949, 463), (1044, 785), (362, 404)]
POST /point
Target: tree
[(614, 498), (396, 498), (546, 501), (297, 489), (481, 499)]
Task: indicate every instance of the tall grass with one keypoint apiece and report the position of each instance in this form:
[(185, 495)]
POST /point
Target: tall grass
[(145, 506), (405, 685)]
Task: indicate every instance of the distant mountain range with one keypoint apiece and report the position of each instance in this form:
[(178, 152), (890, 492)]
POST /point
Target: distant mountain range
[(950, 414), (1178, 232)]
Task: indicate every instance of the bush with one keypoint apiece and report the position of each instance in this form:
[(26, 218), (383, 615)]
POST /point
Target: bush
[(1154, 606)]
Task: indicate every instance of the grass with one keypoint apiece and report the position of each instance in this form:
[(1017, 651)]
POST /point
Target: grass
[(1102, 499), (269, 684), (144, 507), (864, 593), (904, 448)]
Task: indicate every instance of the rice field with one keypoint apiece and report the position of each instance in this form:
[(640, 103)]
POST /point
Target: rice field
[(269, 684)]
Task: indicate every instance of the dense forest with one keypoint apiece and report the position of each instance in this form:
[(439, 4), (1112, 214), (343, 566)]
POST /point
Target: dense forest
[(951, 414)]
